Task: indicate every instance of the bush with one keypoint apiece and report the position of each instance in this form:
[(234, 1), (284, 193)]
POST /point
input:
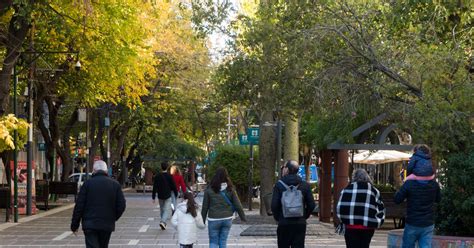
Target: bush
[(455, 215), (385, 187), (236, 159)]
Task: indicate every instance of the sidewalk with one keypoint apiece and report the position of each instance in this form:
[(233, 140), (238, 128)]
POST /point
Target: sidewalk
[(139, 227)]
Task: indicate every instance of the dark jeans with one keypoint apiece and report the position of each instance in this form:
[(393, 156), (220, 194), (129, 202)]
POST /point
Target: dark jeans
[(291, 235), (358, 238), (185, 246), (97, 239)]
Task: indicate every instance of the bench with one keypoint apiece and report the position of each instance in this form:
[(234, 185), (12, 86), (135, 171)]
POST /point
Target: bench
[(63, 188), (5, 201), (393, 210)]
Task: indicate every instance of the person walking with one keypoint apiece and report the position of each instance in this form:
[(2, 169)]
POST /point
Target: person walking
[(219, 205), (421, 196), (291, 231), (179, 182), (186, 220), (360, 210), (99, 205), (163, 186)]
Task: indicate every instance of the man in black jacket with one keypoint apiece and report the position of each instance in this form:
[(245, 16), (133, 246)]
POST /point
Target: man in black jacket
[(291, 232), (421, 197), (99, 205), (164, 186)]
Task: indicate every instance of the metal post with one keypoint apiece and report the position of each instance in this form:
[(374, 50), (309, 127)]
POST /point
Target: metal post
[(250, 177), (87, 143), (29, 154), (15, 151), (108, 142), (278, 155), (228, 126)]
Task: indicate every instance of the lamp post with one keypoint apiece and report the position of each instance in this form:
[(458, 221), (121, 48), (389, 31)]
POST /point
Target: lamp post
[(15, 151)]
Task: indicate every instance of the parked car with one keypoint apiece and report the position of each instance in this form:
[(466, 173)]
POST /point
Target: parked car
[(79, 178)]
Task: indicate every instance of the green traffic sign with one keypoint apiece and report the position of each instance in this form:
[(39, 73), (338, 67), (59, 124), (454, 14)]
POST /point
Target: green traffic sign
[(253, 134), (243, 139), (41, 147)]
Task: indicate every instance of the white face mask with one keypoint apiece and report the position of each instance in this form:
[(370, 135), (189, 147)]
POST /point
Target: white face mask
[(223, 186)]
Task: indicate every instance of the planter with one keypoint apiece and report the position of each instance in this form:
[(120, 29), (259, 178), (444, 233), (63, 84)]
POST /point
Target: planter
[(395, 238)]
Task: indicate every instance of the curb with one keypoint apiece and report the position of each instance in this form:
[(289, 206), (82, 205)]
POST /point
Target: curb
[(5, 226)]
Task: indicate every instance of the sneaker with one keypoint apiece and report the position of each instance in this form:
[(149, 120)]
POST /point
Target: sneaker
[(163, 226)]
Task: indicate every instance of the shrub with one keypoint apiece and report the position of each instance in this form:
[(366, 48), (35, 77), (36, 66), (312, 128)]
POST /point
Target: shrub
[(455, 215), (236, 159), (385, 187)]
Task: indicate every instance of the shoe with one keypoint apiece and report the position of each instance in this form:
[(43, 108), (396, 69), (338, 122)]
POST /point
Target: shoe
[(163, 226)]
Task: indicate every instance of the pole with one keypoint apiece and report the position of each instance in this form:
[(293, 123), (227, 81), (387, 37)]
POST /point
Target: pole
[(108, 141), (29, 144), (228, 126), (87, 143), (15, 151), (278, 155), (250, 177)]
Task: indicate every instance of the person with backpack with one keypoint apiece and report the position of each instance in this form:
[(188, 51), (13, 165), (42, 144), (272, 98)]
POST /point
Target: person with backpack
[(186, 220), (219, 206), (163, 186), (292, 204), (360, 210)]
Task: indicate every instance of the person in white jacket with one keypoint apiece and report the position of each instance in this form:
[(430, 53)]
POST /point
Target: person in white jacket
[(186, 220)]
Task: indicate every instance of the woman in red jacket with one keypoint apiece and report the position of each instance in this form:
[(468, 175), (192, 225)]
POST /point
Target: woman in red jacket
[(178, 180)]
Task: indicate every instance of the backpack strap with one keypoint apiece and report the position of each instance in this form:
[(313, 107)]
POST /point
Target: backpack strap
[(226, 198), (286, 186)]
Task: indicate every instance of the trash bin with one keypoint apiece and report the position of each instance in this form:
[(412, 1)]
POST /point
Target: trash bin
[(267, 201)]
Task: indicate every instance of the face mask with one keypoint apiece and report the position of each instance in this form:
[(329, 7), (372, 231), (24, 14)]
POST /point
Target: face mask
[(223, 186)]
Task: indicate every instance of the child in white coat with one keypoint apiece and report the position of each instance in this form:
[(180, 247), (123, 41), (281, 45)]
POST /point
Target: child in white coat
[(186, 220)]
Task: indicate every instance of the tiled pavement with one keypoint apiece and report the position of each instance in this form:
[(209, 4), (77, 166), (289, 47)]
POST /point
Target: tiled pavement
[(139, 227)]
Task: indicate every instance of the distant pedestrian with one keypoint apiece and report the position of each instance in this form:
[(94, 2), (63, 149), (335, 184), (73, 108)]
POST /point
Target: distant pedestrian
[(360, 210), (420, 166), (164, 186), (421, 197), (179, 182), (291, 214), (186, 220), (99, 205), (219, 205)]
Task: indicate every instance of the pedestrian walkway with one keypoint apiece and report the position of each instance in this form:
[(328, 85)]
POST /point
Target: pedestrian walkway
[(139, 227)]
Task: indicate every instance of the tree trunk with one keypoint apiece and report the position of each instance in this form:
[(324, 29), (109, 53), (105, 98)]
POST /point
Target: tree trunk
[(95, 141), (65, 151), (267, 157), (291, 138), (17, 31)]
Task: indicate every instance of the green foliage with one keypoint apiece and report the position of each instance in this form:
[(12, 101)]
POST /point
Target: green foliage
[(236, 159), (455, 212), (385, 188)]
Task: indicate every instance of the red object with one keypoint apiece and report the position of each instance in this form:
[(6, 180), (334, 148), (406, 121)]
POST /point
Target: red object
[(359, 227), (179, 181)]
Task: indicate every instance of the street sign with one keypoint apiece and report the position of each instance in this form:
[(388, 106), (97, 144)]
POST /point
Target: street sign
[(243, 139), (253, 135), (41, 147)]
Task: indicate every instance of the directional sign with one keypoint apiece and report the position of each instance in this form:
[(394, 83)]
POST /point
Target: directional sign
[(41, 147), (253, 134), (243, 139)]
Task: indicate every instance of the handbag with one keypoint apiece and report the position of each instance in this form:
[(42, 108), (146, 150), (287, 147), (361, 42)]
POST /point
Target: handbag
[(228, 201)]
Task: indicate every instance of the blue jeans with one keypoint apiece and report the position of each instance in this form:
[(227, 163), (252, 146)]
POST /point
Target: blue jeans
[(423, 235), (218, 233), (165, 209)]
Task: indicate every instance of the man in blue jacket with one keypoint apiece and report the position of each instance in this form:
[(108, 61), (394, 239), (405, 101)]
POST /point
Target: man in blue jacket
[(99, 205), (421, 196), (291, 232)]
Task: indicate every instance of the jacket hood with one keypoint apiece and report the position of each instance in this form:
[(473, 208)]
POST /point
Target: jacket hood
[(291, 179), (183, 206), (421, 154)]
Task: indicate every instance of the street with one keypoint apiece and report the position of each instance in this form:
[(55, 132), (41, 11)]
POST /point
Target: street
[(139, 227)]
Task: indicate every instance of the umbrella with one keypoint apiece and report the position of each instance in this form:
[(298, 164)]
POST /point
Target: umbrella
[(380, 157)]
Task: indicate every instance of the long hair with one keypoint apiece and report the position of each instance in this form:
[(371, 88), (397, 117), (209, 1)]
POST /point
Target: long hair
[(220, 177), (175, 170), (191, 204)]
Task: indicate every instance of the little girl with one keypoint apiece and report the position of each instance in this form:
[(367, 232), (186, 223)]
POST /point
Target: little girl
[(186, 220), (420, 166)]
